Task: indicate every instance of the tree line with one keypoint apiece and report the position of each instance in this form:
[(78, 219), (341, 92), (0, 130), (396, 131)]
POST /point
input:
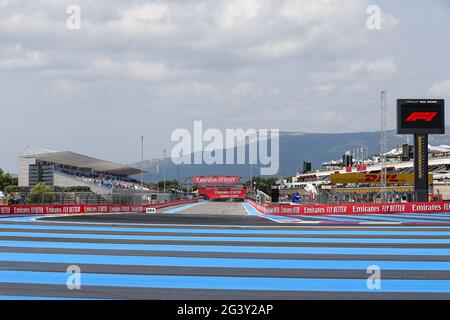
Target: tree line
[(7, 180)]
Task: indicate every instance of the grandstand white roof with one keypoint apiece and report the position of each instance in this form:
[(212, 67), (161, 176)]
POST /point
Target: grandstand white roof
[(442, 148), (377, 167), (81, 161)]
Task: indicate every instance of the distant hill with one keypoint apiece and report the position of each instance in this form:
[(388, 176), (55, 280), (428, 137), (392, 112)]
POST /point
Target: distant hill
[(294, 149)]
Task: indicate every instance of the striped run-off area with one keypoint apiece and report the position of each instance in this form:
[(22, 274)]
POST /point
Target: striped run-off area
[(185, 256)]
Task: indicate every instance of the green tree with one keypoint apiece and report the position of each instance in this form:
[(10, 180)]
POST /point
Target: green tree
[(170, 184), (6, 180), (40, 194), (264, 184)]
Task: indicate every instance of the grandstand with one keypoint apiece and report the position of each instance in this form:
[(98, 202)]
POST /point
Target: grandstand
[(69, 169), (107, 181), (398, 162)]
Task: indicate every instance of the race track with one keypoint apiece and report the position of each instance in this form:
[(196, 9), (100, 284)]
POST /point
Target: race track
[(215, 254)]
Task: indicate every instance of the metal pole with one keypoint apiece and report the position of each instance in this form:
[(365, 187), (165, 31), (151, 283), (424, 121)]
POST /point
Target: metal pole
[(251, 168), (142, 161), (164, 173)]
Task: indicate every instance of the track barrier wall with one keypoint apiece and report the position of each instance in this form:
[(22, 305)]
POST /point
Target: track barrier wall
[(349, 209), (84, 208)]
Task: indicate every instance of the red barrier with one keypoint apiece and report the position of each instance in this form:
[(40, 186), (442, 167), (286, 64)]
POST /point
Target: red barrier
[(85, 208), (223, 194), (215, 180), (348, 209)]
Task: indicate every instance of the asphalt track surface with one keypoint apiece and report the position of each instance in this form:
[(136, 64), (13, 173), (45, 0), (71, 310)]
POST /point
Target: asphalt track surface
[(212, 253)]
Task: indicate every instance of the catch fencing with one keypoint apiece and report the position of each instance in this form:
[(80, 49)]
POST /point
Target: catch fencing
[(91, 198)]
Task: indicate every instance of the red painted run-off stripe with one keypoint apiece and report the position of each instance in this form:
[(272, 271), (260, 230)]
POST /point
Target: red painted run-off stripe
[(85, 208), (348, 209)]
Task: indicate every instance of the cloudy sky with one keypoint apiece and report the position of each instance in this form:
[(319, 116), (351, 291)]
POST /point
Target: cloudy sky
[(149, 67)]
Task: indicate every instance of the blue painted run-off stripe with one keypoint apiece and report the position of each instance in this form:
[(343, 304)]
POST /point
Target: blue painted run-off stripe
[(225, 239), (281, 219), (42, 298), (251, 211), (114, 230), (222, 262), (257, 231), (228, 249), (185, 207), (227, 283)]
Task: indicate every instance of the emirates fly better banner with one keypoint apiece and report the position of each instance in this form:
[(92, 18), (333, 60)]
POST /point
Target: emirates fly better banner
[(349, 209), (84, 208), (215, 180), (224, 194)]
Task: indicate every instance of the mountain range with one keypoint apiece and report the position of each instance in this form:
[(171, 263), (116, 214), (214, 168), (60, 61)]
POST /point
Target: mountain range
[(295, 147)]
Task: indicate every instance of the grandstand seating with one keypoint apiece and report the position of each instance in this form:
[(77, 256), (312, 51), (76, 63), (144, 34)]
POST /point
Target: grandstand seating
[(104, 182)]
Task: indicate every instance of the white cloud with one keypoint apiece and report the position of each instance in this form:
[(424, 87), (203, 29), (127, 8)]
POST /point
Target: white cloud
[(63, 87), (103, 65), (305, 12), (151, 12), (235, 11), (25, 25), (229, 62), (149, 71), (19, 58), (4, 3), (279, 48), (107, 67), (150, 19), (384, 67), (440, 89), (389, 22), (326, 88)]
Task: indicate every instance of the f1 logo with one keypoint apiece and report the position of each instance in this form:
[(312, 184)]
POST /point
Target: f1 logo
[(425, 116)]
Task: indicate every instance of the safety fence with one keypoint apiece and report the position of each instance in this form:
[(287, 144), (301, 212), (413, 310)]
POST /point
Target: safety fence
[(353, 195), (349, 209), (86, 208), (65, 198)]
